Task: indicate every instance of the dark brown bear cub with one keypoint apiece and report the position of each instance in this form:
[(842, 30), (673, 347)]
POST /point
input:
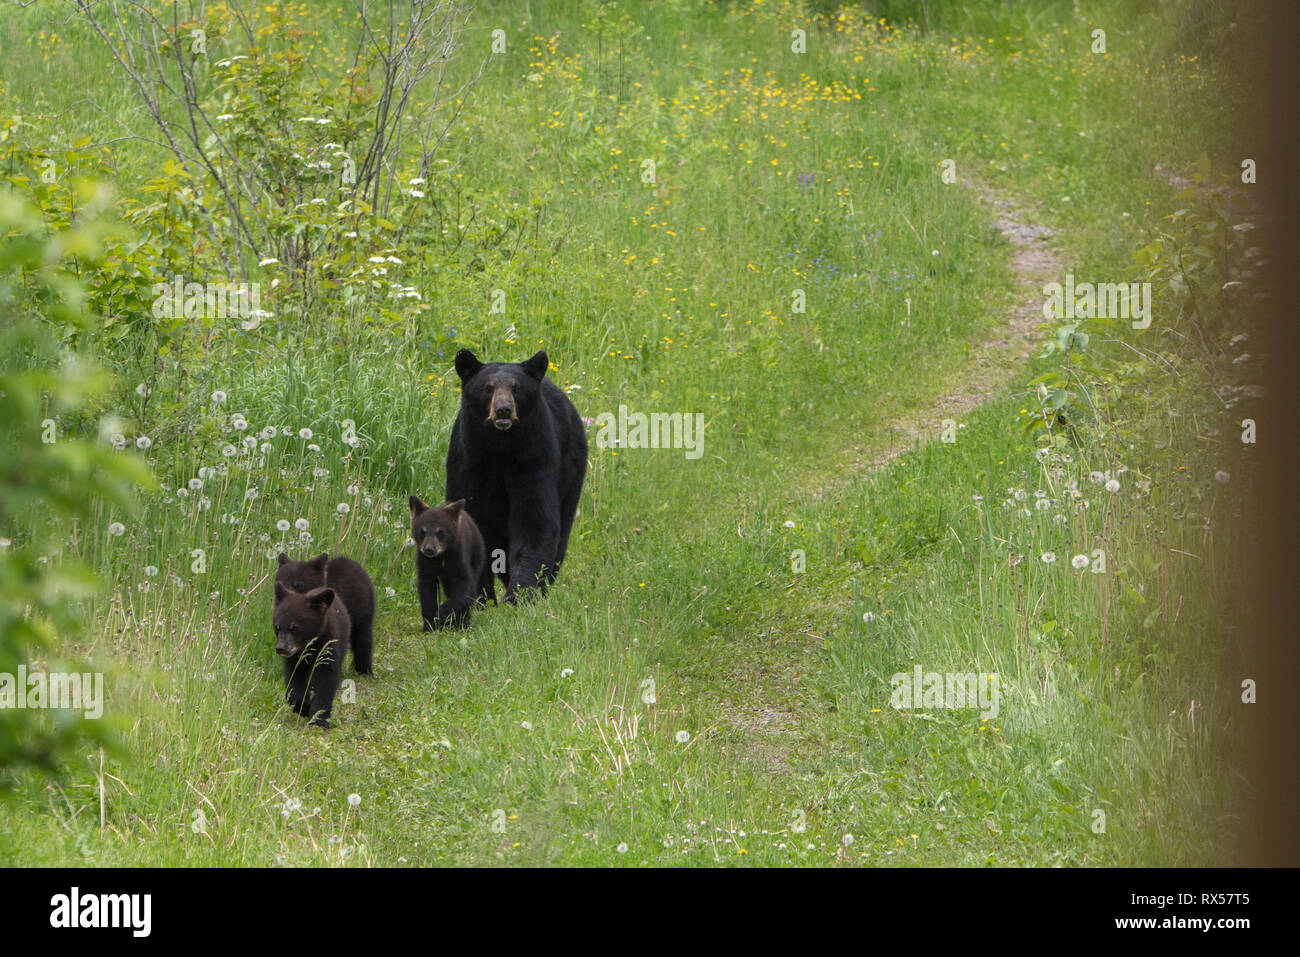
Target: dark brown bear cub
[(311, 635), (350, 581), (450, 553)]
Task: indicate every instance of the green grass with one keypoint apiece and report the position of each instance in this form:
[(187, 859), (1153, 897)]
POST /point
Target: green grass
[(677, 296)]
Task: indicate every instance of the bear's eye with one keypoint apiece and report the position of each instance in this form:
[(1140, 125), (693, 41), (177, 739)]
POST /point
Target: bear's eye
[(294, 626), (419, 533), (439, 534), (297, 586)]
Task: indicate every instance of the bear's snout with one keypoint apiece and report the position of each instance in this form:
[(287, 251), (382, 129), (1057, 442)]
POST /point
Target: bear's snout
[(502, 413), (284, 646)]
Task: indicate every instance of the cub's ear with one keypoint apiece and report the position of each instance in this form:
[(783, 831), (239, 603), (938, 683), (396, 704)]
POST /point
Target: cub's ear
[(320, 561), (537, 365), (322, 598), (467, 364), (280, 591), (455, 507), (283, 558), (417, 506)]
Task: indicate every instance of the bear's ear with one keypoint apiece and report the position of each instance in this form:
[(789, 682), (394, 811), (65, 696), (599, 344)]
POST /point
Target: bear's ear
[(467, 364), (280, 591), (320, 561), (455, 507), (537, 365), (322, 598), (283, 558), (417, 506)]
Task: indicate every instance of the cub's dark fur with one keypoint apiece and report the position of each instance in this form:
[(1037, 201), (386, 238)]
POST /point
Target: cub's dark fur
[(350, 581), (450, 553), (311, 635)]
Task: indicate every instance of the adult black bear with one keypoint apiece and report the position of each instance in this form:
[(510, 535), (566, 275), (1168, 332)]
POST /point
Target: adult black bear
[(353, 585), (518, 456), (311, 635), (450, 553)]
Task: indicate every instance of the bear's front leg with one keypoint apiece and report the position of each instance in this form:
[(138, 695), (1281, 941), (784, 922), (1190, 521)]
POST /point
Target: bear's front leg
[(296, 675), (427, 585), (529, 560), (324, 685)]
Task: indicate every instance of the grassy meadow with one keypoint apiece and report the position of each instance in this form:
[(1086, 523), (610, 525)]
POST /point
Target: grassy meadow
[(710, 680)]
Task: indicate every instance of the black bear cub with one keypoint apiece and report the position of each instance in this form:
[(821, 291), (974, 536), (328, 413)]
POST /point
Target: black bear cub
[(450, 553), (351, 583), (311, 635)]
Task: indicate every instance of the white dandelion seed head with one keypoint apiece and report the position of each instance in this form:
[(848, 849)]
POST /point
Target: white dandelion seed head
[(195, 484), (1112, 485), (304, 434), (218, 397), (301, 524), (1222, 477), (282, 525), (343, 508), (1079, 562), (229, 451), (682, 737), (150, 571), (117, 529), (526, 725), (1048, 558), (354, 800), (622, 848), (142, 390), (250, 494), (143, 442), (238, 423), (268, 433), (868, 617)]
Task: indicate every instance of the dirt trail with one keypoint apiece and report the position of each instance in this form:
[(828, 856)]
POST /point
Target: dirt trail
[(1033, 262)]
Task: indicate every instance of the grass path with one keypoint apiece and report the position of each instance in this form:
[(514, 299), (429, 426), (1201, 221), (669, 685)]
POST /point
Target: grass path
[(768, 713)]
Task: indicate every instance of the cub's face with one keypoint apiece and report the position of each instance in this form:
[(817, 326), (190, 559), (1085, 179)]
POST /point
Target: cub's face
[(298, 618), (302, 576), (499, 394), (435, 530)]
